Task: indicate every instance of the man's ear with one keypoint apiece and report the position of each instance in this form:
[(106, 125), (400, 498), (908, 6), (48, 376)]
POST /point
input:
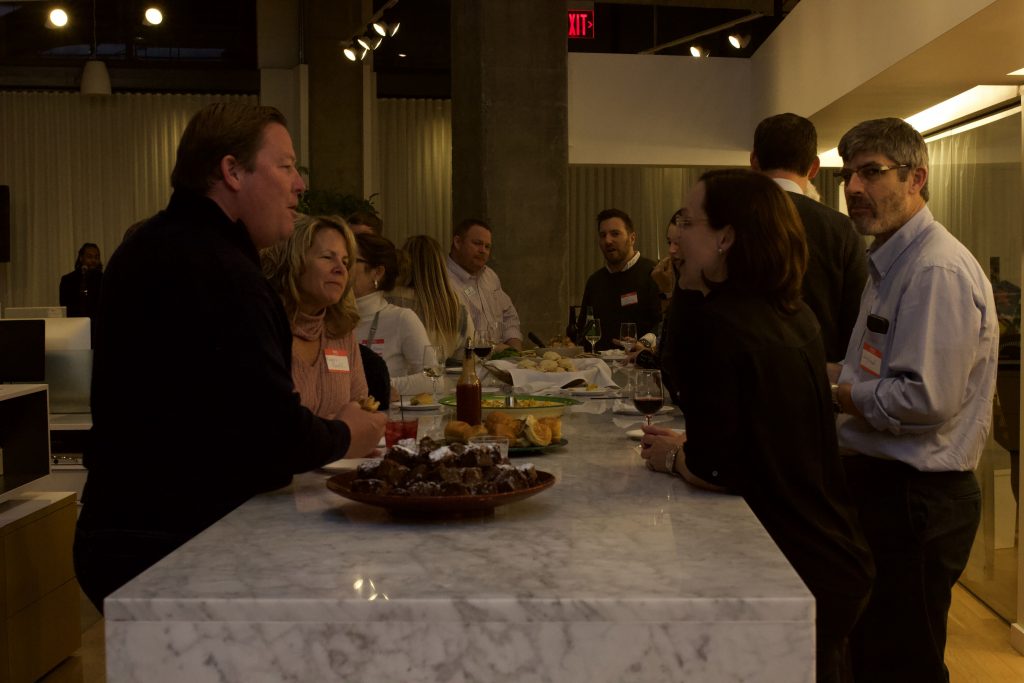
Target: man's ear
[(815, 167), (231, 171), (918, 177), (753, 162)]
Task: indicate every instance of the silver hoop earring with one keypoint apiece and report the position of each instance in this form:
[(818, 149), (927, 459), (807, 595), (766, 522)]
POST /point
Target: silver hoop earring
[(376, 285)]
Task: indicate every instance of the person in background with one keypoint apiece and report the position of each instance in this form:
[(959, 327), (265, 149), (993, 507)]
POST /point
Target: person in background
[(365, 221), (193, 406), (429, 293), (785, 150), (914, 395), (753, 384), (80, 289), (311, 273), (621, 291), (479, 286), (394, 333)]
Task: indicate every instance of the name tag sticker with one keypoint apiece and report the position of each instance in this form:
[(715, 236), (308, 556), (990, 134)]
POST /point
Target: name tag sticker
[(337, 360), (628, 299), (871, 360)]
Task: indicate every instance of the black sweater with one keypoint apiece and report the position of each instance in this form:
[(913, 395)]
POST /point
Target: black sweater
[(192, 396), (605, 292)]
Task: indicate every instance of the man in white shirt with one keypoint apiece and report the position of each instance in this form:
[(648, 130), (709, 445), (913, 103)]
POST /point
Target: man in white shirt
[(479, 287), (915, 401)]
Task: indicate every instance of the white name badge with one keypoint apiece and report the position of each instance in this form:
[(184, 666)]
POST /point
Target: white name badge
[(871, 360), (628, 299), (377, 345), (337, 360)]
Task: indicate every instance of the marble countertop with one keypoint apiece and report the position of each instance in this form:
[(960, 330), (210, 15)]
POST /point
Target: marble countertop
[(609, 543)]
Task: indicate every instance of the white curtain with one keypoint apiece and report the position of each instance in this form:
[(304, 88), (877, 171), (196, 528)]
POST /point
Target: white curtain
[(974, 180), (414, 162), (82, 169)]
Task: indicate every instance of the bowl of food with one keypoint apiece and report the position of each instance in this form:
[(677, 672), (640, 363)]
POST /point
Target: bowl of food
[(538, 406)]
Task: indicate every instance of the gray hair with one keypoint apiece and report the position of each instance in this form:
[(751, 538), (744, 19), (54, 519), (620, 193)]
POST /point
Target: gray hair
[(895, 138)]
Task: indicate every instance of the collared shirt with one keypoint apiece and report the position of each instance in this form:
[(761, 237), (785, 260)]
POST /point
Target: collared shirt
[(923, 370), (486, 300), (629, 264), (789, 185)]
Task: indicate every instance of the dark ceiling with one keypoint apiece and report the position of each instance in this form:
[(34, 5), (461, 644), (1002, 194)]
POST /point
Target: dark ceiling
[(220, 35)]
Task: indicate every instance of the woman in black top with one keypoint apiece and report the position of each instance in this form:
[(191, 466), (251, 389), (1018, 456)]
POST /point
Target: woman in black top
[(750, 369), (80, 289)]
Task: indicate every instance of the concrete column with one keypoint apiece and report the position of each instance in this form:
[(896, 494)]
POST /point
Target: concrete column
[(510, 145), (335, 95)]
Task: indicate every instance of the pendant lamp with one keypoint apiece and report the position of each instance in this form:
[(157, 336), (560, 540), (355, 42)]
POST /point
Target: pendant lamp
[(95, 79)]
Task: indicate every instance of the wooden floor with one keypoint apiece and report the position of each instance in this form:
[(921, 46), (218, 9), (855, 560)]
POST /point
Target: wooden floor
[(978, 650)]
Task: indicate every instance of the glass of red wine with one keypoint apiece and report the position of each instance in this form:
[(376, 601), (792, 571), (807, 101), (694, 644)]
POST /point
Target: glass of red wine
[(648, 395), (483, 343)]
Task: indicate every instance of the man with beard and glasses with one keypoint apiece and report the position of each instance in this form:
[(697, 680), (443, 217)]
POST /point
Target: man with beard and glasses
[(623, 290), (914, 395)]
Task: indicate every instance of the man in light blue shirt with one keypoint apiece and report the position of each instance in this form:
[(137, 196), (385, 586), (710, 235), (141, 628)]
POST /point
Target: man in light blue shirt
[(915, 400)]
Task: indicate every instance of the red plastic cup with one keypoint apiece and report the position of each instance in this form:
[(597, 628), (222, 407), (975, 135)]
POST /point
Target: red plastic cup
[(396, 430)]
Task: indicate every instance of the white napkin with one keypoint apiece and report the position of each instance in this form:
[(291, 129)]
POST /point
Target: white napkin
[(590, 370)]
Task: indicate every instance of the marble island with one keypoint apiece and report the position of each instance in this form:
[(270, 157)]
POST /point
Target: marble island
[(614, 574)]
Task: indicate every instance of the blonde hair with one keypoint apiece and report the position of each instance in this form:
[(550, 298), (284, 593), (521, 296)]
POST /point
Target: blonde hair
[(284, 263), (436, 302)]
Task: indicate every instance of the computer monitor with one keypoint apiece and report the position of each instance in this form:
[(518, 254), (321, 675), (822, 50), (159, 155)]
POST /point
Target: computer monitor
[(21, 351), (69, 364)]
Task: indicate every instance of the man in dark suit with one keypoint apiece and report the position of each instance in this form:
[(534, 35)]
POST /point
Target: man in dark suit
[(785, 149)]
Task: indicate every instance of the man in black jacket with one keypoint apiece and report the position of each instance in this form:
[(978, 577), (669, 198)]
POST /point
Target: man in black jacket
[(194, 409), (786, 149)]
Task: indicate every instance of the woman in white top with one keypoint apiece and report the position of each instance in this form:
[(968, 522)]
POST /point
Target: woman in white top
[(395, 333), (428, 292)]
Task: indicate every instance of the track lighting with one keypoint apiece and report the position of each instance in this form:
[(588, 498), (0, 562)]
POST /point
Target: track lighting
[(369, 40), (384, 29), (696, 51), (739, 41), (354, 52)]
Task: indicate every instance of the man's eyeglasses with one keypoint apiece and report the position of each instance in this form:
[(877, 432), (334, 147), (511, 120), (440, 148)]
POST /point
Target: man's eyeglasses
[(868, 173)]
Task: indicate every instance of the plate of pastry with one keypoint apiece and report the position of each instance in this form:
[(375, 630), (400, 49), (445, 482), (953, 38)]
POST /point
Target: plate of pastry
[(422, 401)]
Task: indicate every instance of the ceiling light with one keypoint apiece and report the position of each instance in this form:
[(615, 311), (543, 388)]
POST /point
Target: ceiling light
[(384, 29), (95, 79), (369, 41), (351, 52), (1018, 72), (739, 41), (57, 18), (696, 51), (152, 16)]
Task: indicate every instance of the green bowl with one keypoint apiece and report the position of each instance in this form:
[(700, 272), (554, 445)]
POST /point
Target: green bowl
[(555, 405)]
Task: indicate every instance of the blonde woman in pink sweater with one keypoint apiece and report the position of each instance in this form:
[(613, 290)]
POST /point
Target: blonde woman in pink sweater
[(310, 271)]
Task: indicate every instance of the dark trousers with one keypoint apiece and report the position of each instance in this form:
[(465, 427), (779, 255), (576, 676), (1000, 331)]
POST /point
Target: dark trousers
[(106, 559), (920, 527)]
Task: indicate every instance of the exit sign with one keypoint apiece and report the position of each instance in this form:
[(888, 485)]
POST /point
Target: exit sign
[(581, 23)]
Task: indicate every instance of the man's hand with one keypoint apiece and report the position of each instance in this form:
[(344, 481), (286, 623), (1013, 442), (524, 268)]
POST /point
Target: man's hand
[(365, 429)]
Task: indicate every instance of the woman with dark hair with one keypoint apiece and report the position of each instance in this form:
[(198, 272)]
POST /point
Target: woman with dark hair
[(80, 289), (395, 333), (750, 370)]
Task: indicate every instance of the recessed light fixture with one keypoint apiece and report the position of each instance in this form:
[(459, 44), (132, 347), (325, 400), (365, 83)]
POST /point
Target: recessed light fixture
[(57, 18), (153, 17), (402, 55)]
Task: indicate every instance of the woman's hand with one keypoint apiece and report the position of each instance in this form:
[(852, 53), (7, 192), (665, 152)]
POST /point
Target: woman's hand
[(656, 445), (664, 275)]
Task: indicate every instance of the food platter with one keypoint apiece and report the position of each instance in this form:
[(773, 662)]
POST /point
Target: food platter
[(538, 406), (433, 506), (520, 451)]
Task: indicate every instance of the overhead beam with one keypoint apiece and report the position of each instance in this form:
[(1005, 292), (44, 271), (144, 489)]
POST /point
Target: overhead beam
[(765, 7)]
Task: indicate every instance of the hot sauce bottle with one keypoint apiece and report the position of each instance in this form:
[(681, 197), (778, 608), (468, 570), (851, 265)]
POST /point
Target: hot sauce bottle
[(467, 391)]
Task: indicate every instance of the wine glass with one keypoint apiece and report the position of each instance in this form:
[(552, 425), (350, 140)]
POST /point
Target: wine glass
[(648, 396), (592, 333), (483, 342), (627, 336), (433, 364)]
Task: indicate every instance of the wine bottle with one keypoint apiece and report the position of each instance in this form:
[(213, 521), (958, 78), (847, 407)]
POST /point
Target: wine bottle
[(467, 391), (571, 330)]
